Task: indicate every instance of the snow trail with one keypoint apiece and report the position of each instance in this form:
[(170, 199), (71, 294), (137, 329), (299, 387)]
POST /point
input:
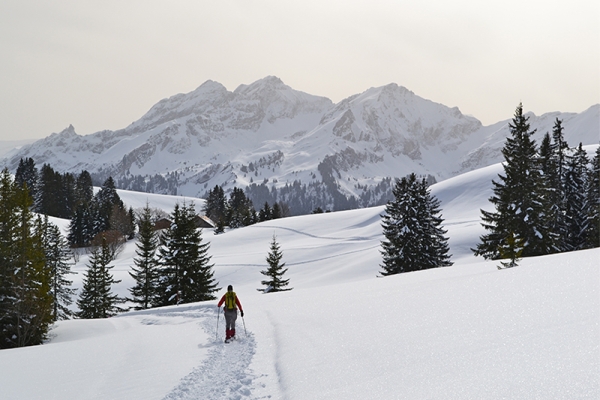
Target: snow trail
[(225, 373)]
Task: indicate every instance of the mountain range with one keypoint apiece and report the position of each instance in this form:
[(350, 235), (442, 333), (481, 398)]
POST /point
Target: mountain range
[(285, 145)]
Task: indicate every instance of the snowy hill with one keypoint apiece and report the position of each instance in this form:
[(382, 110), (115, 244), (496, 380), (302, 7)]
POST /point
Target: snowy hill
[(270, 135), (468, 331)]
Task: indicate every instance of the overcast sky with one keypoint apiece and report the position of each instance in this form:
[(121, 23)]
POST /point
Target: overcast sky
[(102, 64)]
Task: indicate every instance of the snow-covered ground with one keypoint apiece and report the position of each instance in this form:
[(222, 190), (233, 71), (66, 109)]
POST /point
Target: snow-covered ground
[(468, 331)]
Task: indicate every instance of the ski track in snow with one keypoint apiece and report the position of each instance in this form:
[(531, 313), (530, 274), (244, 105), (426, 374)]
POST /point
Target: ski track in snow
[(225, 373)]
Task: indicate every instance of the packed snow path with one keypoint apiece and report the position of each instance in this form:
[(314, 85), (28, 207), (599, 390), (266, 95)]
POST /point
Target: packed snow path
[(225, 373)]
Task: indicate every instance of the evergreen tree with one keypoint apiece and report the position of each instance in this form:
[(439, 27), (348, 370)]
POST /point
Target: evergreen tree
[(215, 207), (412, 228), (67, 195), (96, 299), (576, 212), (553, 181), (520, 198), (49, 186), (240, 211), (265, 213), (276, 212), (275, 271), (27, 174), (560, 147), (81, 228), (145, 273), (186, 275), (57, 256), (7, 267), (104, 203), (84, 189), (593, 235), (25, 303)]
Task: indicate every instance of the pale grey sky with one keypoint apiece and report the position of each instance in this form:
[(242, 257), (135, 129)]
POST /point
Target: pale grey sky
[(103, 64)]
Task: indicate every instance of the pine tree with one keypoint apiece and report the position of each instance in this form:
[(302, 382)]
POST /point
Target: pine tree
[(57, 256), (553, 181), (560, 147), (275, 271), (520, 198), (215, 207), (25, 303), (49, 185), (7, 268), (576, 212), (104, 203), (240, 211), (96, 299), (276, 212), (265, 213), (27, 174), (145, 273), (593, 235), (186, 275), (84, 189), (81, 228), (412, 228)]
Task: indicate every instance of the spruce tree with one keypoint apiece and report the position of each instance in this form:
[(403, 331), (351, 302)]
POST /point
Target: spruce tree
[(215, 207), (96, 299), (84, 189), (27, 174), (276, 211), (240, 211), (57, 255), (145, 292), (48, 192), (593, 235), (185, 275), (520, 198), (554, 182), (412, 228), (265, 213), (104, 203), (576, 200), (275, 271), (81, 228), (25, 302), (7, 267)]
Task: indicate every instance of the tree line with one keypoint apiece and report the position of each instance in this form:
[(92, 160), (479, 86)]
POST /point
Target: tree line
[(238, 210), (548, 199), (34, 268)]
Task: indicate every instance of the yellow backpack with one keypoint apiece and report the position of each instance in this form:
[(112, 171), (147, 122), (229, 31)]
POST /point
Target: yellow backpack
[(230, 300)]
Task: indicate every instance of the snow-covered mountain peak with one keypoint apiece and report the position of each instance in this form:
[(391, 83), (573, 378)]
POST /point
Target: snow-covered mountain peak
[(68, 132), (269, 83), (270, 134)]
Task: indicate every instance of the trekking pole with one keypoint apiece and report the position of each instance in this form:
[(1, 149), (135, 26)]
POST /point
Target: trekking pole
[(244, 321), (217, 333)]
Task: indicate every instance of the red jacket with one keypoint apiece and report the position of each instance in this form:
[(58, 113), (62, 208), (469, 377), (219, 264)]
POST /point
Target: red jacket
[(237, 301)]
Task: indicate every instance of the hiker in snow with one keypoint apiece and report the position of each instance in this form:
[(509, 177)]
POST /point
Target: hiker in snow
[(230, 310)]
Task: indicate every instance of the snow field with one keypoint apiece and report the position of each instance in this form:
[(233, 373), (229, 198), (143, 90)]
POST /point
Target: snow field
[(468, 331)]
